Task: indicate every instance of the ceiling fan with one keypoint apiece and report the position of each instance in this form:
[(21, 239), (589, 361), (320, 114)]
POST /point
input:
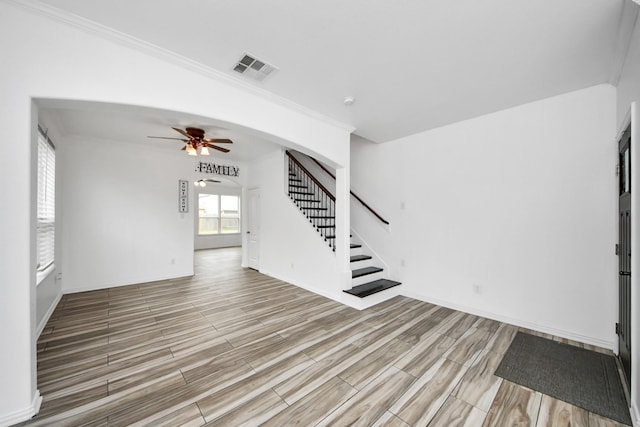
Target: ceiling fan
[(196, 140)]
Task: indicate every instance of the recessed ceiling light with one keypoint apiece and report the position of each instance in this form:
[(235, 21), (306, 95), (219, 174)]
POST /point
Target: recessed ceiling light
[(348, 100)]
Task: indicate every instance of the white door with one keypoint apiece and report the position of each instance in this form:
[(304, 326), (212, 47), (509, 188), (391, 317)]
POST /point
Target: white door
[(253, 232)]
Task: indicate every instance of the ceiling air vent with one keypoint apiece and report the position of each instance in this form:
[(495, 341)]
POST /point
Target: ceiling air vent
[(253, 68)]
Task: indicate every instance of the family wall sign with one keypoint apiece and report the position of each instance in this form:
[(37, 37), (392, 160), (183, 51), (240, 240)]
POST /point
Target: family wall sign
[(214, 169)]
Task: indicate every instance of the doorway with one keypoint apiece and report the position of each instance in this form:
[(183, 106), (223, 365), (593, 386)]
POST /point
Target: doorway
[(623, 328)]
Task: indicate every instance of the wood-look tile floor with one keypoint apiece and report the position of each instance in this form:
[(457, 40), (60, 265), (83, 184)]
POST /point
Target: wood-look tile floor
[(233, 347)]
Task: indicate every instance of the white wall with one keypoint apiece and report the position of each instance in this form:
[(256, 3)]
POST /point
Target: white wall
[(521, 203), (290, 248), (628, 88), (217, 240), (120, 214), (48, 294), (65, 58)]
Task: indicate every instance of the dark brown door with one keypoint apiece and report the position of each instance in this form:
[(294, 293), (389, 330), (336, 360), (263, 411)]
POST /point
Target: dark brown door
[(624, 253)]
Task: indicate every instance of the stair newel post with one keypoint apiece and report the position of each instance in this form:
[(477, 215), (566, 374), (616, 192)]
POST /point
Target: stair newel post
[(332, 213)]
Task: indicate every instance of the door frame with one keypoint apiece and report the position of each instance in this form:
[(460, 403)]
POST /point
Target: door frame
[(252, 229), (624, 326), (633, 118)]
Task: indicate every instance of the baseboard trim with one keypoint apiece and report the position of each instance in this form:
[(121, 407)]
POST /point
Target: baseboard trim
[(309, 288), (609, 345), (47, 315), (126, 283), (22, 414)]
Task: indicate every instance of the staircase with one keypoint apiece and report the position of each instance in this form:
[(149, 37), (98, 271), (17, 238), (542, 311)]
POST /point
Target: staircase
[(366, 278), (317, 204), (313, 200)]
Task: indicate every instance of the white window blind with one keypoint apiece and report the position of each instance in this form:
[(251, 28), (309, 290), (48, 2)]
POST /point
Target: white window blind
[(46, 228)]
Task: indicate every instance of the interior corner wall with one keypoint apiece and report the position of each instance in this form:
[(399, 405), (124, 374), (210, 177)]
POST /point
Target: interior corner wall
[(120, 214), (65, 58), (511, 215), (290, 247), (628, 88)]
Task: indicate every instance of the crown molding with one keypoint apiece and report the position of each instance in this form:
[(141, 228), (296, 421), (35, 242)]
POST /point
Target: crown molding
[(158, 52)]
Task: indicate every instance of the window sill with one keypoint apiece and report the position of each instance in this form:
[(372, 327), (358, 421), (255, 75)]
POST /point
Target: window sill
[(219, 234), (41, 275)]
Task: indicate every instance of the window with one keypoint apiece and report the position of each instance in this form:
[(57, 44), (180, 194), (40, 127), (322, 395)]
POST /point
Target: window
[(46, 204), (218, 214)]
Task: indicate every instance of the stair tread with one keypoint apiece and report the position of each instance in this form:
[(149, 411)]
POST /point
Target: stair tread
[(321, 217), (301, 192), (371, 288), (306, 200), (356, 258), (325, 226), (309, 208), (355, 245), (364, 271)]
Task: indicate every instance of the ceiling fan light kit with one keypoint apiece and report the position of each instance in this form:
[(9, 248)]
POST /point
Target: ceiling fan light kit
[(203, 182), (191, 151), (196, 140)]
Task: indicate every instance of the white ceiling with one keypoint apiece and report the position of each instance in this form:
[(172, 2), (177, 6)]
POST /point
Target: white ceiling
[(412, 65), (134, 125)]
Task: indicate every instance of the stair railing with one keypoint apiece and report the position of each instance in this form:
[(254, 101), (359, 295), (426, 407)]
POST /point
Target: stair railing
[(369, 208), (313, 199)]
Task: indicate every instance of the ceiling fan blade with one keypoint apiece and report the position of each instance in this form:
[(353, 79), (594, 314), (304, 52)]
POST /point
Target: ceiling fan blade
[(164, 137), (224, 150), (218, 140), (183, 132)]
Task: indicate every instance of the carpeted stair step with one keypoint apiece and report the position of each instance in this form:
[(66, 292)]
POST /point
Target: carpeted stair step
[(365, 271), (371, 288), (355, 245), (356, 258)]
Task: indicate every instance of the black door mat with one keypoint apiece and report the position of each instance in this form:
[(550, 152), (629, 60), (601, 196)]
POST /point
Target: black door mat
[(581, 377)]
